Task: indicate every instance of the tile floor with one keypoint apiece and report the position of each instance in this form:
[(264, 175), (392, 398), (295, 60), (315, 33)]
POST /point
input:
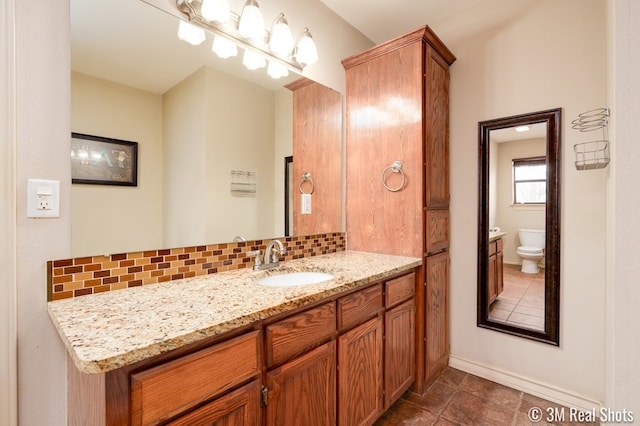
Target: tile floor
[(521, 302), (458, 398)]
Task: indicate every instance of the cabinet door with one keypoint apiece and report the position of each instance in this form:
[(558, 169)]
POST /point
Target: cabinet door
[(399, 347), (238, 408), (499, 273), (436, 104), (437, 314), (360, 374), (302, 391), (491, 283)]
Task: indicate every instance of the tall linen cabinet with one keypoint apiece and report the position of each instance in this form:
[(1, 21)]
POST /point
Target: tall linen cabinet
[(397, 110)]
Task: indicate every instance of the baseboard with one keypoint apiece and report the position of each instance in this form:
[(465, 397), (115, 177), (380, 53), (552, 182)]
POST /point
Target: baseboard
[(524, 384)]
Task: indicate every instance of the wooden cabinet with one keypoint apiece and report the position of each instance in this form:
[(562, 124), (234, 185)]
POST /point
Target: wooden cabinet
[(162, 392), (496, 276), (302, 391), (397, 107), (317, 149), (360, 377), (437, 313), (238, 408), (400, 337), (343, 360)]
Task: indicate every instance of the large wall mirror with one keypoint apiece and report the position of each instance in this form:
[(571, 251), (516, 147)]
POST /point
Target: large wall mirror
[(202, 123), (519, 225)]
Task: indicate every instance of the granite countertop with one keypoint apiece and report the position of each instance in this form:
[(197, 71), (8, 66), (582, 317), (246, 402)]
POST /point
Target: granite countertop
[(496, 235), (106, 331)]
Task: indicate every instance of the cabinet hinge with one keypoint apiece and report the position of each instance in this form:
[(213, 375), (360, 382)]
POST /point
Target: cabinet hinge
[(264, 396)]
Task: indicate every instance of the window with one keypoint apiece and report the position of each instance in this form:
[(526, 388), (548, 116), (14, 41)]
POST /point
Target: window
[(530, 180)]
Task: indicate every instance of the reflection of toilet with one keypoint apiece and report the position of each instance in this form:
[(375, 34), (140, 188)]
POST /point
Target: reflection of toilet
[(531, 250)]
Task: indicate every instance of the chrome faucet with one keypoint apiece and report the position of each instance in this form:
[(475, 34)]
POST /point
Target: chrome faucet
[(271, 256)]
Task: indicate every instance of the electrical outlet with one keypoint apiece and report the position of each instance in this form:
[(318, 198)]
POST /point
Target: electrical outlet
[(43, 198)]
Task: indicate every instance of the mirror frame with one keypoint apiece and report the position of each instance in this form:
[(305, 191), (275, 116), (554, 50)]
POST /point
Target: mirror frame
[(552, 118)]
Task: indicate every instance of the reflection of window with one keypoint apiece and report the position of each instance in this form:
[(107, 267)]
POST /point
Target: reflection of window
[(530, 180)]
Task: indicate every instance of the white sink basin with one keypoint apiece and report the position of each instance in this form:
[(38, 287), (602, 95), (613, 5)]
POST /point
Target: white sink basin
[(295, 278)]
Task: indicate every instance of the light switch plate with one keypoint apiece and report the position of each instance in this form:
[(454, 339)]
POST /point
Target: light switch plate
[(306, 203), (43, 198)]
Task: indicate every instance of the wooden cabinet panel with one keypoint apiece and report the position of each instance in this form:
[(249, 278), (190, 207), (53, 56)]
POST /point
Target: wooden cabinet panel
[(303, 391), (493, 285), (379, 133), (437, 314), (436, 98), (437, 230), (317, 149), (360, 374), (299, 333), (400, 289), (238, 408), (413, 221), (399, 351), (499, 272), (164, 391), (358, 307)]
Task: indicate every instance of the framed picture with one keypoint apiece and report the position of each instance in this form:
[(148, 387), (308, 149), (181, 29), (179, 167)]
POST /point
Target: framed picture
[(103, 161)]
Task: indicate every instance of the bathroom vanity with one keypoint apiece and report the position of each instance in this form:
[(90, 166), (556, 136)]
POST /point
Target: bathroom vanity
[(495, 284), (222, 347)]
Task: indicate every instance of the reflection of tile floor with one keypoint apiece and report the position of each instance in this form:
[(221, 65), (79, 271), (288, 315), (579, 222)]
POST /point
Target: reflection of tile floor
[(458, 398), (521, 303)]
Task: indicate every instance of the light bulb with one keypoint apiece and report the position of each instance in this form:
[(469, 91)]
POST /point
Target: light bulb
[(251, 23), (306, 52), (253, 60), (223, 47), (215, 10), (281, 40), (190, 33), (277, 70)]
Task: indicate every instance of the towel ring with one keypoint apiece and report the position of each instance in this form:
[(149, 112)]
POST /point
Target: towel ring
[(395, 167), (306, 178)]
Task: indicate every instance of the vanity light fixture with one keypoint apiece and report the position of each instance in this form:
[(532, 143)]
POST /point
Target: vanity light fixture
[(223, 47), (521, 129), (216, 10), (190, 33), (253, 60), (277, 70), (306, 52), (280, 38), (247, 31), (251, 24)]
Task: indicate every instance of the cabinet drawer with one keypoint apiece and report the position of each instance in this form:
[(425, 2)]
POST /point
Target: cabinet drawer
[(499, 244), (358, 307), (166, 390), (299, 333), (400, 289)]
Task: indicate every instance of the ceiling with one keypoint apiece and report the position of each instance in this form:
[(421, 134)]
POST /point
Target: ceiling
[(144, 52), (382, 20)]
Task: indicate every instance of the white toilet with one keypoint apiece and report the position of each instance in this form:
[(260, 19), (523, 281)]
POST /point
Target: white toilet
[(531, 250)]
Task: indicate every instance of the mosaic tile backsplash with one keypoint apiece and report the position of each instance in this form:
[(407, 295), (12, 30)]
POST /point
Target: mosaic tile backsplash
[(80, 276)]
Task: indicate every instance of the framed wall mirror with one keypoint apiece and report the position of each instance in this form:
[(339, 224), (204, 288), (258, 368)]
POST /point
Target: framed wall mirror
[(519, 225)]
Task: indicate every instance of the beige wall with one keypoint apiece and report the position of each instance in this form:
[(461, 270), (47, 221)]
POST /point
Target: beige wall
[(117, 219), (185, 141), (216, 123), (623, 293), (42, 140), (533, 62), (509, 218)]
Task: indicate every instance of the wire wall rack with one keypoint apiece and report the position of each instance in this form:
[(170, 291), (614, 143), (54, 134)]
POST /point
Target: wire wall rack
[(593, 154)]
